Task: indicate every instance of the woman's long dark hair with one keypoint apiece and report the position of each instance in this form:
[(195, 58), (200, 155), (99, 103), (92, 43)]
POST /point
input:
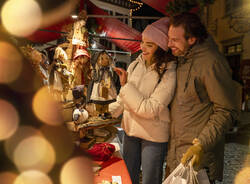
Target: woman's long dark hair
[(162, 57)]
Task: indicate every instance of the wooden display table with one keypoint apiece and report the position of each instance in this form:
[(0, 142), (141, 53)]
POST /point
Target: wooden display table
[(115, 166)]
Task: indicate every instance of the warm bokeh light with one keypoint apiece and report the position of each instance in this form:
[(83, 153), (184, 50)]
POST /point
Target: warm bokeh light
[(9, 120), (21, 17), (34, 153), (24, 83), (33, 177), (46, 108), (21, 133), (243, 177), (7, 177), (61, 140), (78, 170), (61, 12), (10, 63)]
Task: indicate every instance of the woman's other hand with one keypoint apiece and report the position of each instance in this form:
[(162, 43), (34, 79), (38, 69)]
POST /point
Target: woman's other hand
[(122, 75)]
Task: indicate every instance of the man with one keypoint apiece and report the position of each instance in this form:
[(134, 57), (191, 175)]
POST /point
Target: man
[(204, 105)]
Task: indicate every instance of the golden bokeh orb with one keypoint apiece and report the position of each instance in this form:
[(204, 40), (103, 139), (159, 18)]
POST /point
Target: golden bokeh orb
[(21, 17), (33, 177), (77, 170), (34, 153), (10, 63), (9, 120), (46, 108)]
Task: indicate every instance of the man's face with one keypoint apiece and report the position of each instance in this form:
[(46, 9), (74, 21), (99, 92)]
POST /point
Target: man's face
[(177, 42)]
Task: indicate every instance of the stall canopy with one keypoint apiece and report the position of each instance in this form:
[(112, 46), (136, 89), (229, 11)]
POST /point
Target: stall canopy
[(51, 33), (159, 5), (113, 28), (116, 29)]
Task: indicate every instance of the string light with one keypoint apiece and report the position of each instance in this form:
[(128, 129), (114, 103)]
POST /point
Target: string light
[(134, 9), (137, 3)]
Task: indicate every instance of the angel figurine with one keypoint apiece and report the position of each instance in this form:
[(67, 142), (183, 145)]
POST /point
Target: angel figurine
[(80, 33), (102, 90)]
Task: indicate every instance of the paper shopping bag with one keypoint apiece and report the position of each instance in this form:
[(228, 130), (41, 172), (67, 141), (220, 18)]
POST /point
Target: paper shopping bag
[(186, 175)]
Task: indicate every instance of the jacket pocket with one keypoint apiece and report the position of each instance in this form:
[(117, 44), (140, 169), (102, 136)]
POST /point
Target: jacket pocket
[(189, 98), (200, 91), (186, 103)]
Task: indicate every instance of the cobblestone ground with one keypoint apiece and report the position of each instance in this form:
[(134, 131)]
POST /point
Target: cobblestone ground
[(235, 160), (237, 150)]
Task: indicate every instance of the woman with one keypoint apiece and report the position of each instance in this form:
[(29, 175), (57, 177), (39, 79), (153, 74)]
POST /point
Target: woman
[(147, 89)]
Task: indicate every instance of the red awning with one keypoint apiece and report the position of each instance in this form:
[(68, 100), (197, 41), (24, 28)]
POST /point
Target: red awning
[(52, 33), (159, 5), (113, 27), (116, 29)]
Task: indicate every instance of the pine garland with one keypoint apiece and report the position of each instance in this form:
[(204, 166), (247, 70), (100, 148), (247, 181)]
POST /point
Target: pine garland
[(178, 6)]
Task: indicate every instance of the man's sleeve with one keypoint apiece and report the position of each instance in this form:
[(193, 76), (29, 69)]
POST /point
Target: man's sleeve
[(222, 93)]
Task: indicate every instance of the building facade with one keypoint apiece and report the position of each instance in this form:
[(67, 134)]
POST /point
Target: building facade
[(228, 21)]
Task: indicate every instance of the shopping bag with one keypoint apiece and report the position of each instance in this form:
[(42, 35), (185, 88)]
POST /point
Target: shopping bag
[(176, 177), (186, 175), (202, 177)]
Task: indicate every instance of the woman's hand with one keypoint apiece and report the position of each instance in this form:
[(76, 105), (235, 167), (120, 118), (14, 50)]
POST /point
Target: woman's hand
[(122, 75)]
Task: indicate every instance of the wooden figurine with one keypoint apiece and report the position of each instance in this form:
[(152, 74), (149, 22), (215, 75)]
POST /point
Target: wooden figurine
[(80, 68), (102, 90)]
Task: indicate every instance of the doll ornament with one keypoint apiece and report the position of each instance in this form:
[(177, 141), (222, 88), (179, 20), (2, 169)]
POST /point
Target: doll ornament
[(80, 68), (102, 89)]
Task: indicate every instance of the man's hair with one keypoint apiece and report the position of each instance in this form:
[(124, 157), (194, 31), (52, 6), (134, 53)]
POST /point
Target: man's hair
[(191, 24)]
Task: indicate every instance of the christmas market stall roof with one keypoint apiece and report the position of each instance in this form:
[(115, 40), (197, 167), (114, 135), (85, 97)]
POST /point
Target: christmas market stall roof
[(113, 28)]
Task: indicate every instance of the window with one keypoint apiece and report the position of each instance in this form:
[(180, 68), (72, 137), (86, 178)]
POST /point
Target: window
[(233, 49), (232, 5)]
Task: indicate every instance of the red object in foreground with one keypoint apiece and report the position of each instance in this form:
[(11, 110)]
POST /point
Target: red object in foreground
[(101, 151), (113, 167)]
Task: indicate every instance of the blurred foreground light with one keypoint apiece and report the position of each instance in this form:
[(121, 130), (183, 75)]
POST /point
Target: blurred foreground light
[(28, 74), (21, 133), (46, 108), (21, 17), (10, 63), (7, 177), (61, 140), (78, 170), (60, 13), (34, 153), (243, 176), (9, 120), (33, 177)]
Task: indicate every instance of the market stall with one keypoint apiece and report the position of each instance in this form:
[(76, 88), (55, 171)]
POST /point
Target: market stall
[(83, 82)]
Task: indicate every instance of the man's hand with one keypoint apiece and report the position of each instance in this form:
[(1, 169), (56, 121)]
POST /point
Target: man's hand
[(195, 153), (122, 75)]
